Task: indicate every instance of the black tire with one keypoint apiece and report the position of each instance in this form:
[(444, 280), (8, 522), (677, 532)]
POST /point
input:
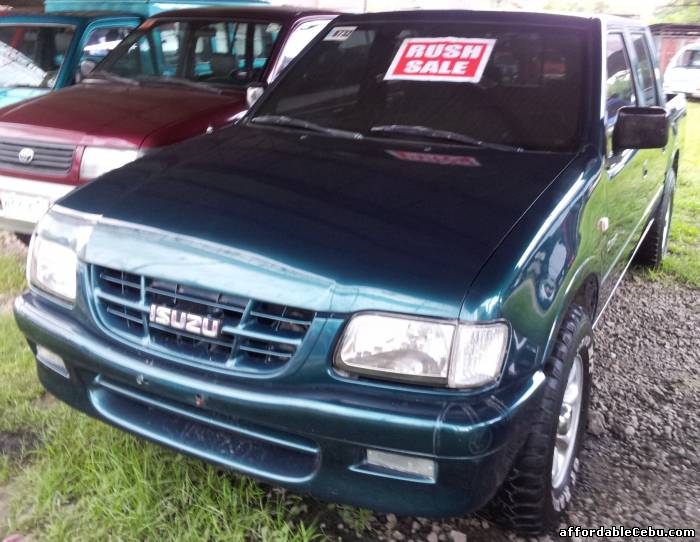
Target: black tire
[(655, 245), (528, 502), (23, 238)]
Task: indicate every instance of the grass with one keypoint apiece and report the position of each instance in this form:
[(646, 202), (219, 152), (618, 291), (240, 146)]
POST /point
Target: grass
[(11, 275), (85, 481), (683, 261), (88, 481)]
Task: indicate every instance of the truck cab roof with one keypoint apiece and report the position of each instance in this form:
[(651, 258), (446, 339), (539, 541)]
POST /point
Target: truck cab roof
[(517, 17), (278, 13)]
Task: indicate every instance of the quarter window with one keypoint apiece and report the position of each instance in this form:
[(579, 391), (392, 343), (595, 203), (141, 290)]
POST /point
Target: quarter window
[(102, 40), (299, 39)]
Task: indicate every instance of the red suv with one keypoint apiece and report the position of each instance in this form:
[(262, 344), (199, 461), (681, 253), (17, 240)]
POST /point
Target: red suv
[(180, 74)]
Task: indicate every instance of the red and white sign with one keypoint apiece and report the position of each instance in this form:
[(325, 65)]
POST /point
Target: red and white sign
[(439, 159), (458, 60)]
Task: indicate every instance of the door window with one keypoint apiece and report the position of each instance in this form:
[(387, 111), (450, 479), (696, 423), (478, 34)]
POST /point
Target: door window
[(645, 70), (620, 86), (31, 55)]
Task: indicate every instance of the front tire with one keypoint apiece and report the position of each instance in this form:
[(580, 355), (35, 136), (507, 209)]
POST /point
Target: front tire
[(655, 245), (542, 480)]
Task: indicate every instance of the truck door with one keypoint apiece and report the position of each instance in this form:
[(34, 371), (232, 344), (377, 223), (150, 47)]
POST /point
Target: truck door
[(654, 160), (626, 196)]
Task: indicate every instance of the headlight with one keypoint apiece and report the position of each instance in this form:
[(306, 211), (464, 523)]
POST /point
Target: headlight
[(98, 161), (423, 351), (58, 243)]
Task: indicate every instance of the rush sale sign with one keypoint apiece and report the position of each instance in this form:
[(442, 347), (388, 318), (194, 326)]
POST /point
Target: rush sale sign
[(458, 60)]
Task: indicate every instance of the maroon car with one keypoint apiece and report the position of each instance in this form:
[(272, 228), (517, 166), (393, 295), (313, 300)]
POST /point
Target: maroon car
[(180, 74)]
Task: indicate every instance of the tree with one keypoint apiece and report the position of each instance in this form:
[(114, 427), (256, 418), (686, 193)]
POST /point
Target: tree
[(678, 11)]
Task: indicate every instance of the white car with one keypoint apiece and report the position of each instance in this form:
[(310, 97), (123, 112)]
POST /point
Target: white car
[(683, 73)]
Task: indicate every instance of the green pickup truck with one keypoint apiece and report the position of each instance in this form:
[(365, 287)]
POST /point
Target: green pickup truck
[(381, 287)]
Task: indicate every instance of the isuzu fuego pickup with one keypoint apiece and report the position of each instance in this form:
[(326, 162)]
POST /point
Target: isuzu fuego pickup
[(381, 287), (181, 74)]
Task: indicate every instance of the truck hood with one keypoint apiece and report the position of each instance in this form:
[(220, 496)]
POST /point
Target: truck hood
[(114, 115), (10, 96), (328, 224)]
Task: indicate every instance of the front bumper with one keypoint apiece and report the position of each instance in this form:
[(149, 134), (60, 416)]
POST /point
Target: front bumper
[(23, 202), (308, 439)]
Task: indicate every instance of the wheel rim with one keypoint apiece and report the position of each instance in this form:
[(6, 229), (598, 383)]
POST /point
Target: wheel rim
[(567, 424)]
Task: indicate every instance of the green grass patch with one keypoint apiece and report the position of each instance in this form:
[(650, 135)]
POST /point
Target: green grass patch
[(11, 275), (88, 481), (683, 261), (92, 482), (19, 387)]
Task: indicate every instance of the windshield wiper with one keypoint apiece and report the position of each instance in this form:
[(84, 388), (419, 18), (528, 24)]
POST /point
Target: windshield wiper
[(289, 122), (114, 78), (183, 83), (424, 132)]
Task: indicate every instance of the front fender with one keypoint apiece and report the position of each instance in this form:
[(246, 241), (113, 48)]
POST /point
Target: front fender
[(540, 266)]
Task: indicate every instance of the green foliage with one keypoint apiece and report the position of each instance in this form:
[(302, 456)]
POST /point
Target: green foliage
[(678, 11)]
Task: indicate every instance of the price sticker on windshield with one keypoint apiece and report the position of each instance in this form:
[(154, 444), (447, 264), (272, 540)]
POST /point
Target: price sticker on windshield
[(340, 33), (456, 60)]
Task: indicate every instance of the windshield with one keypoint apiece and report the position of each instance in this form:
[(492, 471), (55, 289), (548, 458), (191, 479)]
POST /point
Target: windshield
[(508, 86), (209, 52), (31, 55)]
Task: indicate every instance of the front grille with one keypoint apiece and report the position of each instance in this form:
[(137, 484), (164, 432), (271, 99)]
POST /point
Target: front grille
[(255, 335), (46, 156)]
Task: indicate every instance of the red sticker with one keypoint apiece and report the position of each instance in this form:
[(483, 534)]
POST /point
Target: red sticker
[(459, 60), (439, 159)]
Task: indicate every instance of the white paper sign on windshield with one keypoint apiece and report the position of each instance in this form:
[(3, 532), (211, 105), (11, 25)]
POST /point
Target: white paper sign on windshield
[(456, 60)]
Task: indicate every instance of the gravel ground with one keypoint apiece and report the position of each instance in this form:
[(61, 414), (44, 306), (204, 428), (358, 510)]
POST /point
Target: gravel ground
[(641, 457)]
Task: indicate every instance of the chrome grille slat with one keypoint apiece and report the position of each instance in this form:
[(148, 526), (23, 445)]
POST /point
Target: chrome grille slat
[(255, 335), (47, 157)]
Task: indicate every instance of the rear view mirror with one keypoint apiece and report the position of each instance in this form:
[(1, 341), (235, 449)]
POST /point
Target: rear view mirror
[(640, 128), (87, 67), (254, 92)]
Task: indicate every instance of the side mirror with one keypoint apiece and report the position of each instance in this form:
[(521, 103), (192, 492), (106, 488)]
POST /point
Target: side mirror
[(253, 93), (640, 128), (87, 67)]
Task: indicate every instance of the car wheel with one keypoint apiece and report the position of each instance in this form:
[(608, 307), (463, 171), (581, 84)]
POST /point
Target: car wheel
[(655, 245), (23, 238), (542, 480)]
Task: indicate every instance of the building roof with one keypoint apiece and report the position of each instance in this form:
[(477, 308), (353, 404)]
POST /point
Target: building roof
[(673, 29)]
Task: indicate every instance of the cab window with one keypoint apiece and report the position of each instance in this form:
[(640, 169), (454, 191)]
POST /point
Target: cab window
[(217, 52), (620, 86), (31, 56), (102, 40), (645, 70), (694, 61)]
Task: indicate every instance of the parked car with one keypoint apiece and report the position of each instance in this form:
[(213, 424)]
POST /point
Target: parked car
[(181, 74), (683, 73), (42, 52), (381, 286)]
